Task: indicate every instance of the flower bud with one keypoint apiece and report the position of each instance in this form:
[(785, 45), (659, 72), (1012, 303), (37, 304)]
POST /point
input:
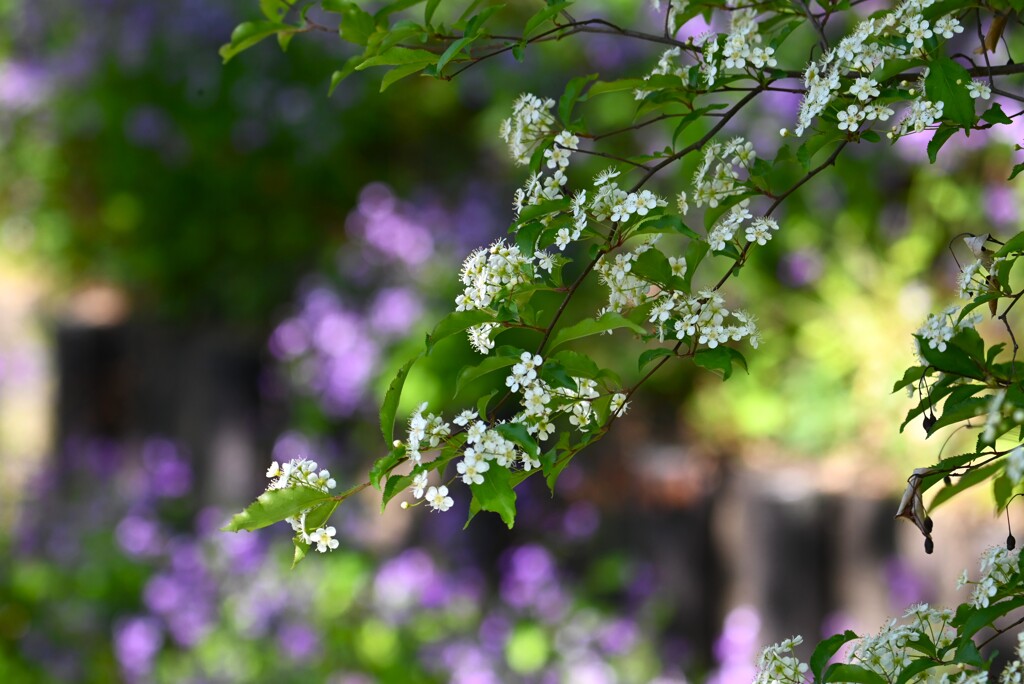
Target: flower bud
[(405, 505)]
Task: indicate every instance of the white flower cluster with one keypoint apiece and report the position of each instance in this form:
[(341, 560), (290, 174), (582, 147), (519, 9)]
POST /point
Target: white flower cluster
[(427, 430), (898, 645), (741, 47), (778, 665), (666, 67), (541, 402), (301, 472), (625, 290), (758, 231), (1013, 673), (899, 34), (971, 282), (705, 319), (998, 567), (614, 204), (529, 124), (486, 273), (892, 649), (717, 177), (939, 328)]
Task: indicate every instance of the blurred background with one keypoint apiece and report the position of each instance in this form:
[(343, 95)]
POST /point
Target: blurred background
[(206, 267)]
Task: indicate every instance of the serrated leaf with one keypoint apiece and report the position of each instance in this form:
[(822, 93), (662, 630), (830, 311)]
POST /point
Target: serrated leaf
[(382, 466), (910, 377), (389, 407), (399, 56), (344, 72), (573, 89), (488, 365), (495, 494), (953, 360), (970, 479), (274, 506), (555, 375), (841, 672), (826, 649), (946, 82), (398, 74), (301, 548), (996, 115), (544, 15), (517, 433), (652, 354), (942, 134), (456, 322), (592, 326), (720, 360), (576, 364), (456, 47)]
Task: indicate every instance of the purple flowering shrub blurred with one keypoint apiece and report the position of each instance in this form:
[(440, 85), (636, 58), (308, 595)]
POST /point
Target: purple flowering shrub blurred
[(134, 587)]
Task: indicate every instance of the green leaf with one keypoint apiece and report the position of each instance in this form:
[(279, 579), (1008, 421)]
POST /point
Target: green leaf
[(719, 360), (544, 15), (488, 365), (665, 223), (483, 402), (975, 620), (394, 485), (652, 354), (591, 326), (356, 25), (456, 322), (947, 82), (576, 364), (389, 407), (453, 51), (274, 506), (841, 672), (915, 668), (301, 548), (653, 266), (344, 72), (942, 134), (495, 494), (996, 115), (248, 34), (398, 74), (973, 477), (695, 253), (516, 432), (399, 56), (910, 377), (826, 649), (573, 89), (953, 360), (544, 208), (1002, 490), (1016, 169), (275, 10), (383, 466), (393, 7), (555, 375), (428, 11)]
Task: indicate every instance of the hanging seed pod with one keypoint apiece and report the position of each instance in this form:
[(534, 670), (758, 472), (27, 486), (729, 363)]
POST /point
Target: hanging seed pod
[(1011, 543), (948, 481), (929, 545)]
